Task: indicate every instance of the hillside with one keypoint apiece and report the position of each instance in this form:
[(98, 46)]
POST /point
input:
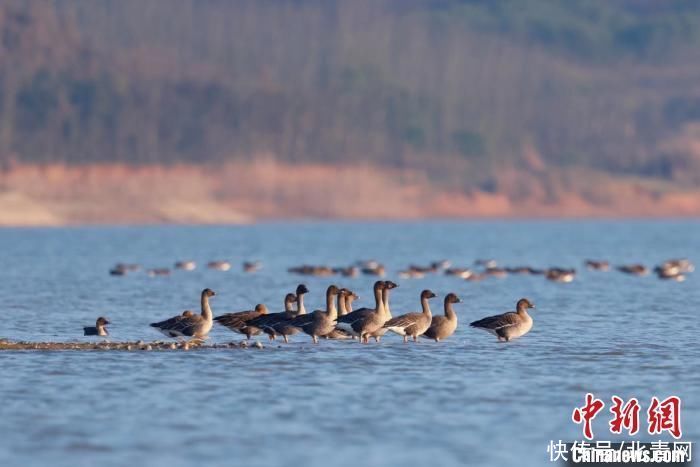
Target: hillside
[(534, 101)]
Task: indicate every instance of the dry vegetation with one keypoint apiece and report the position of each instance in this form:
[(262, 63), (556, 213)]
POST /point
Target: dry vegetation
[(189, 111)]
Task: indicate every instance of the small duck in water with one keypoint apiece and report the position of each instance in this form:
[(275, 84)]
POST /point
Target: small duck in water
[(99, 329)]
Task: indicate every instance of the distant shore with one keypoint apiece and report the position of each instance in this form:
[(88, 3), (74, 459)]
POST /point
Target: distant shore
[(58, 195)]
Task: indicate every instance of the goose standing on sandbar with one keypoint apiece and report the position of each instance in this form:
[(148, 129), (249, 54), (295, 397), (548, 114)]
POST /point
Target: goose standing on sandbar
[(98, 330), (267, 322), (413, 324), (364, 321), (189, 325), (443, 327), (388, 285), (319, 323), (239, 321), (509, 325), (283, 327)]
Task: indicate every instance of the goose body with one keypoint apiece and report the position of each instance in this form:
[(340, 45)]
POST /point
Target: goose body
[(343, 297), (387, 311), (413, 324), (509, 325), (443, 327), (239, 321), (189, 324), (319, 323), (284, 327), (268, 321), (364, 321), (99, 329)]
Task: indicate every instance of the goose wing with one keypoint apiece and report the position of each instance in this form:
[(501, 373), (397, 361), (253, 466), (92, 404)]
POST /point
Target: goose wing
[(268, 320), (237, 320), (302, 320), (497, 322), (359, 314), (184, 325), (403, 321)]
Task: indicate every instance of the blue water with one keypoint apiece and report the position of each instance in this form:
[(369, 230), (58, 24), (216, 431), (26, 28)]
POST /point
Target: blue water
[(468, 400)]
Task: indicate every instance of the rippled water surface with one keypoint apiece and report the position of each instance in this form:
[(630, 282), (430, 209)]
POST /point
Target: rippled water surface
[(468, 400)]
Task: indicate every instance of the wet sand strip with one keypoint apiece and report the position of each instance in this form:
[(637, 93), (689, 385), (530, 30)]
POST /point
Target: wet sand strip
[(6, 344)]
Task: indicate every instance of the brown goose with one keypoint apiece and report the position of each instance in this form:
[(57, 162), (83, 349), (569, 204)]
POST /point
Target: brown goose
[(388, 285), (634, 269), (187, 265), (509, 325), (320, 322), (219, 265), (283, 327), (595, 265), (443, 327), (365, 320), (413, 324), (98, 330), (267, 322), (342, 311), (238, 322), (351, 297), (189, 325)]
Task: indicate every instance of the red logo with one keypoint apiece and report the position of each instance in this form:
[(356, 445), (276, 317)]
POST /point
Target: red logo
[(626, 416), (587, 413), (665, 416)]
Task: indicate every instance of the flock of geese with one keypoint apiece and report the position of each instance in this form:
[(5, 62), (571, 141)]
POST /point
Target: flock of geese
[(672, 269), (338, 320)]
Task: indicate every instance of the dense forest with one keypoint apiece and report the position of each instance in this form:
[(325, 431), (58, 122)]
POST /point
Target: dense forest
[(457, 87)]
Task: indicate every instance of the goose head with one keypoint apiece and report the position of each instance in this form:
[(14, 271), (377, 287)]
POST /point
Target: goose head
[(260, 308), (452, 298), (301, 289), (390, 285), (101, 321), (188, 313), (426, 294), (290, 298), (524, 304), (332, 290), (208, 293)]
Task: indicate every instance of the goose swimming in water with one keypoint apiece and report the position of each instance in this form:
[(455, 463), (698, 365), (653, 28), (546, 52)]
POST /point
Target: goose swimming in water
[(321, 322), (413, 324), (595, 265), (364, 321), (189, 324), (252, 266), (219, 265), (239, 321), (508, 325), (443, 327), (186, 265), (99, 329), (634, 269)]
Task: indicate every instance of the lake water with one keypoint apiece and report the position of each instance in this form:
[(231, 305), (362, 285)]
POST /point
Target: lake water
[(468, 400)]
